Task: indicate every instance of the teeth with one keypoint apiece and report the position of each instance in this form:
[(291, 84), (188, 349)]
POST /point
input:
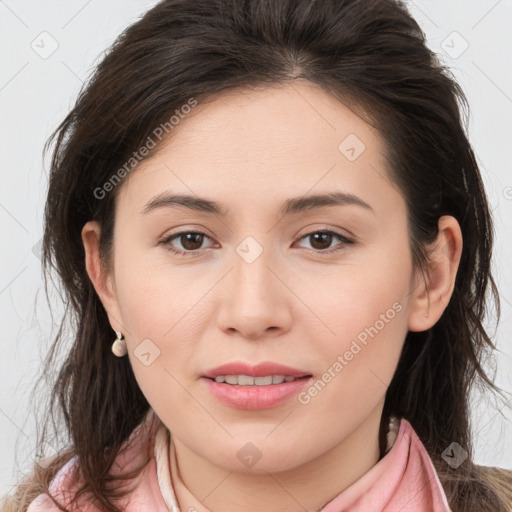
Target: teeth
[(246, 380)]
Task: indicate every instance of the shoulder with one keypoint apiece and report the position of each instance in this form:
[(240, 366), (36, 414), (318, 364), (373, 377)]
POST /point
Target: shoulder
[(138, 449), (64, 479)]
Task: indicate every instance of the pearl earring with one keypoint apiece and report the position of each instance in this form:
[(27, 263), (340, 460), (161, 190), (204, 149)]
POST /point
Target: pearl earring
[(119, 347)]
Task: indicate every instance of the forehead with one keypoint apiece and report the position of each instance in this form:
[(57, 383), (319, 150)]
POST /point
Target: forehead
[(268, 121), (292, 138)]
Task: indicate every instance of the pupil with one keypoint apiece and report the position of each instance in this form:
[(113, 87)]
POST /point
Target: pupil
[(323, 237), (190, 237)]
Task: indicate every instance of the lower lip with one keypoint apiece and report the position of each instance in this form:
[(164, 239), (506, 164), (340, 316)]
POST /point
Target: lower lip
[(255, 397)]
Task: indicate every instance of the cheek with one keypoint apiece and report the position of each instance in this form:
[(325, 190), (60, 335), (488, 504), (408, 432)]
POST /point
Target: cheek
[(362, 300), (365, 322), (156, 297), (162, 308), (158, 312), (358, 364)]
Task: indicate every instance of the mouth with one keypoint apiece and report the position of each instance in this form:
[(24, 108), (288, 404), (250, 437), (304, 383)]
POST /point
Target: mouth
[(248, 380)]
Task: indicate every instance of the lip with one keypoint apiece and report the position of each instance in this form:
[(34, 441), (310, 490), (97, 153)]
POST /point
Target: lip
[(259, 370), (255, 397)]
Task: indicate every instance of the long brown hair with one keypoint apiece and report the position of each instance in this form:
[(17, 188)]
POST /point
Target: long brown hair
[(369, 54)]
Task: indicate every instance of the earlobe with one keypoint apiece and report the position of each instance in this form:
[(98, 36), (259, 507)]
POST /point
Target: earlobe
[(100, 278), (434, 290)]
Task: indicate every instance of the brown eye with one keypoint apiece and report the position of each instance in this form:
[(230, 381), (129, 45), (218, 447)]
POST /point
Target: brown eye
[(322, 240), (190, 242)]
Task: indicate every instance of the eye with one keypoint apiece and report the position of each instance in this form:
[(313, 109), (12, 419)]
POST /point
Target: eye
[(321, 240), (191, 242)]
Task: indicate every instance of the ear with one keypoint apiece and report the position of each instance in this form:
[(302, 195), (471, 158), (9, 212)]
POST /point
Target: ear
[(102, 280), (434, 289)]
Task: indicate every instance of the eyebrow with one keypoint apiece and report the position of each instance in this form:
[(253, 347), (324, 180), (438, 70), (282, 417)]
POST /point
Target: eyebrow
[(291, 206)]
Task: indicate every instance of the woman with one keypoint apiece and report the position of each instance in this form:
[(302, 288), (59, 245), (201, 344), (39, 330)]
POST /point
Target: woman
[(194, 187)]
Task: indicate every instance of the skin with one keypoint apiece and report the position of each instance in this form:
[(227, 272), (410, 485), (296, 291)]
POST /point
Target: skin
[(250, 151)]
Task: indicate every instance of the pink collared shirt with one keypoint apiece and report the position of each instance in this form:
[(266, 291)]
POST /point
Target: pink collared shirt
[(404, 480)]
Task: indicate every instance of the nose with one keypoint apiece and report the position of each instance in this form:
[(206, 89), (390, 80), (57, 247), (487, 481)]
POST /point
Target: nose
[(256, 302)]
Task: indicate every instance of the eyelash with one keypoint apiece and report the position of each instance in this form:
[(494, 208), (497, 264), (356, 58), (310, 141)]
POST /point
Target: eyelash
[(166, 242)]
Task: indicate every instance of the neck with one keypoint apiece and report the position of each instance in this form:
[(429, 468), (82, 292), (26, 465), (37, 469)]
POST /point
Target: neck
[(205, 487)]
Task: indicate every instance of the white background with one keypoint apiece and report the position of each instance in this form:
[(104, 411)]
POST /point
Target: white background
[(36, 93)]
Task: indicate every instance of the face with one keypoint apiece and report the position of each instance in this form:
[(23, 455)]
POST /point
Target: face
[(324, 287)]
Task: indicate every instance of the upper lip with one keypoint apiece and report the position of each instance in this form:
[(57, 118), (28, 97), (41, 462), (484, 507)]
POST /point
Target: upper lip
[(258, 370)]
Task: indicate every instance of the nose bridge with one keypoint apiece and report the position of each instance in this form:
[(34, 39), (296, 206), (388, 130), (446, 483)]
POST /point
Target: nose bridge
[(252, 279), (252, 276), (254, 302)]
